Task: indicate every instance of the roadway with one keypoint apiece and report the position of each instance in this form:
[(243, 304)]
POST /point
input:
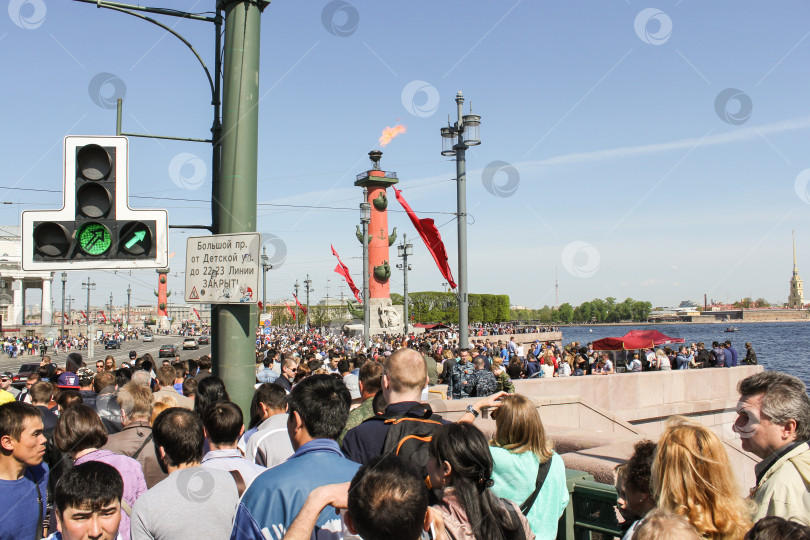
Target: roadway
[(120, 355)]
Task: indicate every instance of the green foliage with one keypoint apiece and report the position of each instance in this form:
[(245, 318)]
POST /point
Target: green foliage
[(398, 299), (441, 307), (595, 311)]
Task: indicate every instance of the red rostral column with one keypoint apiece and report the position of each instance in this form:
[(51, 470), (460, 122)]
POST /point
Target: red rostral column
[(162, 295), (379, 262)]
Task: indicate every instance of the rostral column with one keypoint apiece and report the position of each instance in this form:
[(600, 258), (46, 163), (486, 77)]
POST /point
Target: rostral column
[(162, 295), (384, 316)]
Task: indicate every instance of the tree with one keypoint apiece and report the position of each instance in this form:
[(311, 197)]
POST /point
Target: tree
[(761, 302), (565, 313)]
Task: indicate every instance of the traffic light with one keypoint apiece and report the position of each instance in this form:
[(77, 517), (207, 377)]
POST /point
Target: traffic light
[(95, 227)]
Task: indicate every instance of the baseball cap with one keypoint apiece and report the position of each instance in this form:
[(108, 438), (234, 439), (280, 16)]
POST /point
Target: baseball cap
[(6, 375), (133, 355), (85, 376)]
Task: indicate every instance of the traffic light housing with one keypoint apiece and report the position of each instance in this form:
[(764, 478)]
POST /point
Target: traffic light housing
[(95, 229)]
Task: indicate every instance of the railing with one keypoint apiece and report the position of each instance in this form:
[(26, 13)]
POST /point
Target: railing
[(591, 509)]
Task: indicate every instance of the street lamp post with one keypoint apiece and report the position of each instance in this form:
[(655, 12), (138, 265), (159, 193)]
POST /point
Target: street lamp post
[(64, 281), (297, 316), (89, 286), (365, 219), (308, 289), (70, 300), (129, 293), (455, 140), (404, 250), (265, 267)]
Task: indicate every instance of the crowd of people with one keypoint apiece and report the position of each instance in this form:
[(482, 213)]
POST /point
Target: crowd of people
[(340, 442)]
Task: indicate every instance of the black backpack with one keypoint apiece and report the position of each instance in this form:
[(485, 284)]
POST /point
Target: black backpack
[(409, 436)]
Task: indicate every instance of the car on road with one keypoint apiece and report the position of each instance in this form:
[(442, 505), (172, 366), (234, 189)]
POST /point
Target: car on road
[(190, 343), (112, 344), (25, 370), (167, 350), (204, 340), (147, 338)]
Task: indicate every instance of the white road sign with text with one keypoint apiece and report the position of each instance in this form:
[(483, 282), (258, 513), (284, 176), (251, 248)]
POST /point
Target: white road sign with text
[(223, 269)]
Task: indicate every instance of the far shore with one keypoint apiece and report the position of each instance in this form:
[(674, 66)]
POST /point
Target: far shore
[(726, 323)]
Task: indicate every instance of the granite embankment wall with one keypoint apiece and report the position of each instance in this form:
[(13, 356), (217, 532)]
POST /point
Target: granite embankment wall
[(595, 420)]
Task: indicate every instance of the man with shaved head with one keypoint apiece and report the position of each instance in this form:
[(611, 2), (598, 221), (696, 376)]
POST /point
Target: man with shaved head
[(403, 378)]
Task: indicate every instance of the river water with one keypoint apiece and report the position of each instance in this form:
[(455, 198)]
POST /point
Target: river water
[(779, 346)]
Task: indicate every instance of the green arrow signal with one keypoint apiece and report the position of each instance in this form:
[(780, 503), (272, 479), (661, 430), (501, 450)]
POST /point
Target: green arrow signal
[(137, 237)]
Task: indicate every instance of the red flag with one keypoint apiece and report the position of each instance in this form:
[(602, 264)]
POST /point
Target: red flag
[(302, 308), (103, 316), (84, 315), (290, 309), (197, 313), (344, 271), (66, 316), (430, 235)]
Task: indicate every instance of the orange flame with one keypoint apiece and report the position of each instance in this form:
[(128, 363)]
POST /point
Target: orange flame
[(389, 133)]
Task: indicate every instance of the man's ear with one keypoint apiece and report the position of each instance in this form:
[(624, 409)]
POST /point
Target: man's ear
[(7, 443), (347, 519), (789, 429), (205, 433), (386, 383), (58, 515)]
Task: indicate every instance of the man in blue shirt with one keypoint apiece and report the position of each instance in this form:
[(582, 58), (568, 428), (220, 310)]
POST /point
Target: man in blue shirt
[(733, 352), (23, 476), (728, 358), (318, 408)]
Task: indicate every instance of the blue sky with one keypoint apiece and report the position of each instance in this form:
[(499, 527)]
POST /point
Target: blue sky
[(636, 174)]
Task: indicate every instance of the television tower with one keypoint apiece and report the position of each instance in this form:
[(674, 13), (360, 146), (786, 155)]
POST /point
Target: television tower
[(556, 290)]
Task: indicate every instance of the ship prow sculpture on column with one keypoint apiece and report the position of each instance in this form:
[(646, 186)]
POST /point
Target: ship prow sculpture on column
[(386, 318)]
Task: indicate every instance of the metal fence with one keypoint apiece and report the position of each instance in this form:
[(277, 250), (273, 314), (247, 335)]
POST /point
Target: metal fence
[(591, 511)]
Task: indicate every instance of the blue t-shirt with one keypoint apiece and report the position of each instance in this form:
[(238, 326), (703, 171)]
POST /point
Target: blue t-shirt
[(275, 497), (19, 517)]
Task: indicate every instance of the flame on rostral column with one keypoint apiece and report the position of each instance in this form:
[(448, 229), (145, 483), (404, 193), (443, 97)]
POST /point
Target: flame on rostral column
[(389, 133)]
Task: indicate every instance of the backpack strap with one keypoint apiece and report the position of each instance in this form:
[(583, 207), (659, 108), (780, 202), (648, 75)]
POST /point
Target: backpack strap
[(240, 482), (542, 472), (142, 446), (126, 507)]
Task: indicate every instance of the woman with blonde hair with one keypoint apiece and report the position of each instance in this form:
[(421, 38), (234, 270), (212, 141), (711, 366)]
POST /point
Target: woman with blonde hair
[(692, 477), (526, 468), (662, 362)]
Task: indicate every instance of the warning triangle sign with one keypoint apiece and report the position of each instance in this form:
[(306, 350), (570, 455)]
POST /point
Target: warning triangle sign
[(194, 295)]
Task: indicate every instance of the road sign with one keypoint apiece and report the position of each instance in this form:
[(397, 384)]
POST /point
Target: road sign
[(223, 269), (268, 331), (95, 228)]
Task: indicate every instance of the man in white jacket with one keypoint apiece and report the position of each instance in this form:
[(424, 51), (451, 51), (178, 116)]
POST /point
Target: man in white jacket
[(773, 421)]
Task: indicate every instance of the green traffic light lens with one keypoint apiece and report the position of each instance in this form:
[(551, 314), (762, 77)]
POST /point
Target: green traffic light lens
[(94, 239), (135, 238)]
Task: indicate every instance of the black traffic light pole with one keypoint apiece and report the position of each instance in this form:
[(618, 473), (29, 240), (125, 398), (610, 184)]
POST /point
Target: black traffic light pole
[(214, 82)]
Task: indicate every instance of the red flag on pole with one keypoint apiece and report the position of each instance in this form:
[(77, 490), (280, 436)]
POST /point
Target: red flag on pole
[(197, 313), (65, 315), (344, 271), (302, 308), (103, 316), (84, 315), (430, 235), (290, 309)]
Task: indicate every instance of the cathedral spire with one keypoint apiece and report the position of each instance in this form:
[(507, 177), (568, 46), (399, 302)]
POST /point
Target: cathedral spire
[(795, 268)]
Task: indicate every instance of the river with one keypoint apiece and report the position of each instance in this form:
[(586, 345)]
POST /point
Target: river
[(778, 345)]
